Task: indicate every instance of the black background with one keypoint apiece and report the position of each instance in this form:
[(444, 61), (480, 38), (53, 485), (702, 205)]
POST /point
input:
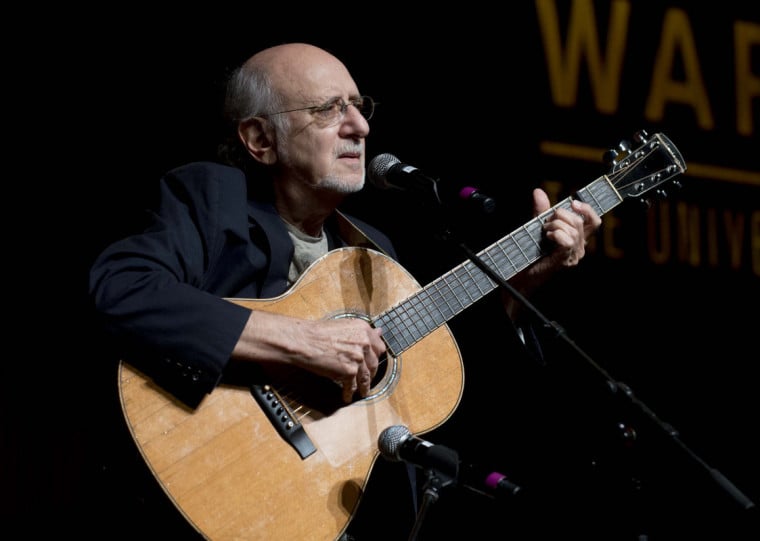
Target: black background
[(463, 95)]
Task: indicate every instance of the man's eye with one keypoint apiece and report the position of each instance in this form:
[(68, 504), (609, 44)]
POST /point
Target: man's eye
[(328, 109)]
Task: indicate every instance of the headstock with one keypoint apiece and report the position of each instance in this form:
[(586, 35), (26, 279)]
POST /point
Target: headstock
[(644, 170)]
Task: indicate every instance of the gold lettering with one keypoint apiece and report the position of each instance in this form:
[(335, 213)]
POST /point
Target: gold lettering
[(583, 42), (712, 238), (721, 242), (734, 237), (688, 234), (747, 84), (677, 37)]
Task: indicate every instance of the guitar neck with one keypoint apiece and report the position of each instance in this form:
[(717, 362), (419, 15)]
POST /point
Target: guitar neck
[(417, 316)]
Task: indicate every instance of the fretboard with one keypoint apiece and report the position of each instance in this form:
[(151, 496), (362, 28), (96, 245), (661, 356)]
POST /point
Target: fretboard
[(417, 316)]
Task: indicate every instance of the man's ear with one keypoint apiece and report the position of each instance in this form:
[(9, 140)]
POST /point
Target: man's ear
[(258, 137)]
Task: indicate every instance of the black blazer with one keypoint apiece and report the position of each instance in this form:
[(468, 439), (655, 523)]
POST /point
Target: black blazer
[(159, 293)]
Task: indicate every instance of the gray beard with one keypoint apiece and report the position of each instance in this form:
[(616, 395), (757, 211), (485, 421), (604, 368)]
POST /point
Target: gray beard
[(337, 184)]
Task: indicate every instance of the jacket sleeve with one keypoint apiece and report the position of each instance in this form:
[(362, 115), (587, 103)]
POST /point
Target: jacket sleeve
[(148, 289)]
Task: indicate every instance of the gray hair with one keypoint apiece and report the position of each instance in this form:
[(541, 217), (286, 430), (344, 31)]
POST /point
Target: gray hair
[(249, 93)]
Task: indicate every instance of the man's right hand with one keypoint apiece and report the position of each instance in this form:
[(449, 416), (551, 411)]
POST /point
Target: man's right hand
[(345, 350)]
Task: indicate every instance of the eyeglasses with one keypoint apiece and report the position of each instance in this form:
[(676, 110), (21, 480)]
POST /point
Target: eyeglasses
[(333, 111)]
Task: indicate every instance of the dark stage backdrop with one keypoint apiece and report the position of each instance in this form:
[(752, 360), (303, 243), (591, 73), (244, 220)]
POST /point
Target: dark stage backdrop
[(531, 94)]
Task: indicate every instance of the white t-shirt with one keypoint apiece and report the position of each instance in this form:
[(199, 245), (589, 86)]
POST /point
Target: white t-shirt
[(307, 250)]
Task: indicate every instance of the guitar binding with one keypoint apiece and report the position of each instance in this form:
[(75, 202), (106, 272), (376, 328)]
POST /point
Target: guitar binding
[(283, 420)]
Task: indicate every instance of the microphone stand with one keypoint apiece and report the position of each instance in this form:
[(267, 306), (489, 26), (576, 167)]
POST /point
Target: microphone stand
[(443, 474), (617, 388)]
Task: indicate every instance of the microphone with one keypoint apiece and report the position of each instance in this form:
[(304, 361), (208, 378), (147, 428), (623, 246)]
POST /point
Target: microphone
[(398, 444), (385, 171)]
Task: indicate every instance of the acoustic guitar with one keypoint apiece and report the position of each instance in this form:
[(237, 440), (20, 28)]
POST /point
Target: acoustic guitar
[(277, 455)]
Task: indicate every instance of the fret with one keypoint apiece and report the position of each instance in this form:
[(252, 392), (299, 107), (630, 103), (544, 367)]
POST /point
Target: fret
[(479, 279), (494, 263), (441, 299), (604, 196), (452, 299), (393, 332), (466, 285), (413, 307), (432, 317), (501, 250), (517, 256)]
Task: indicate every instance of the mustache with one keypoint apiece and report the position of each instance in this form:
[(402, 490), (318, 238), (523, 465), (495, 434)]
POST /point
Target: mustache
[(357, 148)]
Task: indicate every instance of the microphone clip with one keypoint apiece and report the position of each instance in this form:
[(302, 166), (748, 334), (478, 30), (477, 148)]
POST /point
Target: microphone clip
[(442, 468)]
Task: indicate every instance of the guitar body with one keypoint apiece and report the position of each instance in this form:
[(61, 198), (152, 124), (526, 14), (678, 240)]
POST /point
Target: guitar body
[(228, 470)]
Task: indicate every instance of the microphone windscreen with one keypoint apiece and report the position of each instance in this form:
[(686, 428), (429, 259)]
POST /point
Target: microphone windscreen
[(377, 170), (390, 439)]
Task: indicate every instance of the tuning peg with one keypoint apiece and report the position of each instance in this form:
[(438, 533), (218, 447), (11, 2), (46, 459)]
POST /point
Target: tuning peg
[(641, 136), (646, 204), (624, 146), (610, 156)]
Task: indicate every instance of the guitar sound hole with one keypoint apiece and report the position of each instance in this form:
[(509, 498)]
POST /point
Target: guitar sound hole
[(386, 367)]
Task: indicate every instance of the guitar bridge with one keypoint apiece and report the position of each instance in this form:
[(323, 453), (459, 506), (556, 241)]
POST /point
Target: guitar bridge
[(283, 420)]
